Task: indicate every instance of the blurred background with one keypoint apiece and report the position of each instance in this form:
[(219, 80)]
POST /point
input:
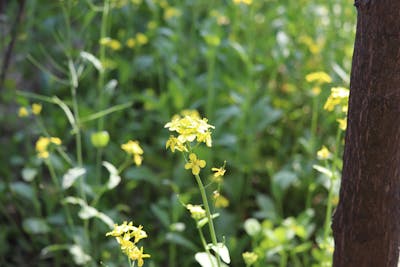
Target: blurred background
[(127, 67)]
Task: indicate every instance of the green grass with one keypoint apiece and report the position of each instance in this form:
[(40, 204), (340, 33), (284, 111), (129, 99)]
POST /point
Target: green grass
[(241, 66)]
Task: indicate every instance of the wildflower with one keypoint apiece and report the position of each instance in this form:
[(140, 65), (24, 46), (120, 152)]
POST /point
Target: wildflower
[(339, 97), (195, 164), (324, 153), (131, 43), (320, 77), (173, 143), (36, 108), (246, 2), (123, 234), (219, 200), (23, 112), (141, 39), (111, 43), (171, 12), (42, 144), (191, 127), (249, 258), (196, 211), (219, 172), (342, 124), (133, 148)]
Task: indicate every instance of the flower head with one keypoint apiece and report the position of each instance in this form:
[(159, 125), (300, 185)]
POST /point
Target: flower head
[(133, 148), (319, 77), (36, 108), (196, 211), (324, 153), (342, 123), (195, 164), (23, 112), (249, 258), (339, 97), (219, 200), (42, 144), (123, 234)]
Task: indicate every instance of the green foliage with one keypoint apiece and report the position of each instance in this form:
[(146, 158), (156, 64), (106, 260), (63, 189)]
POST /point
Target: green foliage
[(106, 72)]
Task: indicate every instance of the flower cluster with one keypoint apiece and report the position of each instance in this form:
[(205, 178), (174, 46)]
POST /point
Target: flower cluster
[(339, 97), (318, 78), (324, 153), (133, 148), (190, 127), (35, 109), (124, 233), (196, 211), (43, 143)]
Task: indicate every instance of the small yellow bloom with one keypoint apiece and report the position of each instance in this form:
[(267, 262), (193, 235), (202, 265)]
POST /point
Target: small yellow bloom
[(249, 258), (320, 77), (342, 123), (137, 254), (173, 143), (339, 97), (195, 164), (131, 43), (36, 108), (133, 148), (23, 112), (324, 153), (219, 172), (246, 2), (171, 12), (42, 144), (141, 39), (196, 211), (219, 200), (111, 43)]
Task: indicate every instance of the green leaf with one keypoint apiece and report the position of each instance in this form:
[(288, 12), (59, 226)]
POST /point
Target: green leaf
[(28, 174), (92, 59), (79, 256), (114, 179), (266, 206), (35, 226), (179, 239), (23, 190), (207, 260), (222, 251), (70, 177), (204, 221), (323, 170)]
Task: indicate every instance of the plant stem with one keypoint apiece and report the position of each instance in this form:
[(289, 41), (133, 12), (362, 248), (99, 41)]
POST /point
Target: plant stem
[(208, 213)]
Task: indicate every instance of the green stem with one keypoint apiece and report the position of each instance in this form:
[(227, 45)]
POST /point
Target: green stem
[(328, 213), (59, 189), (208, 213), (204, 243)]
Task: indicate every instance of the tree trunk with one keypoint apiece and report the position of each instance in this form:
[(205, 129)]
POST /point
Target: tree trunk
[(366, 224)]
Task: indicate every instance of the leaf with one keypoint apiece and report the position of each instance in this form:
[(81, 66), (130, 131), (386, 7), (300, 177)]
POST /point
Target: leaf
[(207, 260), (284, 179), (114, 179), (79, 256), (323, 170), (23, 190), (92, 59), (266, 206), (36, 226), (204, 221), (222, 251), (70, 177), (28, 174), (87, 212)]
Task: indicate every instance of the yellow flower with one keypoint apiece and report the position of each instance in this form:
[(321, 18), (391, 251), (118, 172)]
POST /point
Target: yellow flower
[(36, 108), (246, 2), (137, 254), (196, 211), (195, 164), (173, 143), (42, 144), (342, 123), (133, 148), (131, 43), (324, 153), (219, 200), (171, 12), (23, 112), (219, 172), (191, 127), (320, 77), (111, 43), (249, 258), (141, 39), (339, 97)]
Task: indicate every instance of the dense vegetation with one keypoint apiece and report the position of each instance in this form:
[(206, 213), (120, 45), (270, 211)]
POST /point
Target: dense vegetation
[(90, 87)]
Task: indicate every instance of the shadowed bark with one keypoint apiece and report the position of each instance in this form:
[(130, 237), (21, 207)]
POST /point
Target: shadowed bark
[(366, 224)]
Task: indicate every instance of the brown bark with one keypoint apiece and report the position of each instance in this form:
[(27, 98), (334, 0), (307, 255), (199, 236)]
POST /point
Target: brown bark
[(366, 224)]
